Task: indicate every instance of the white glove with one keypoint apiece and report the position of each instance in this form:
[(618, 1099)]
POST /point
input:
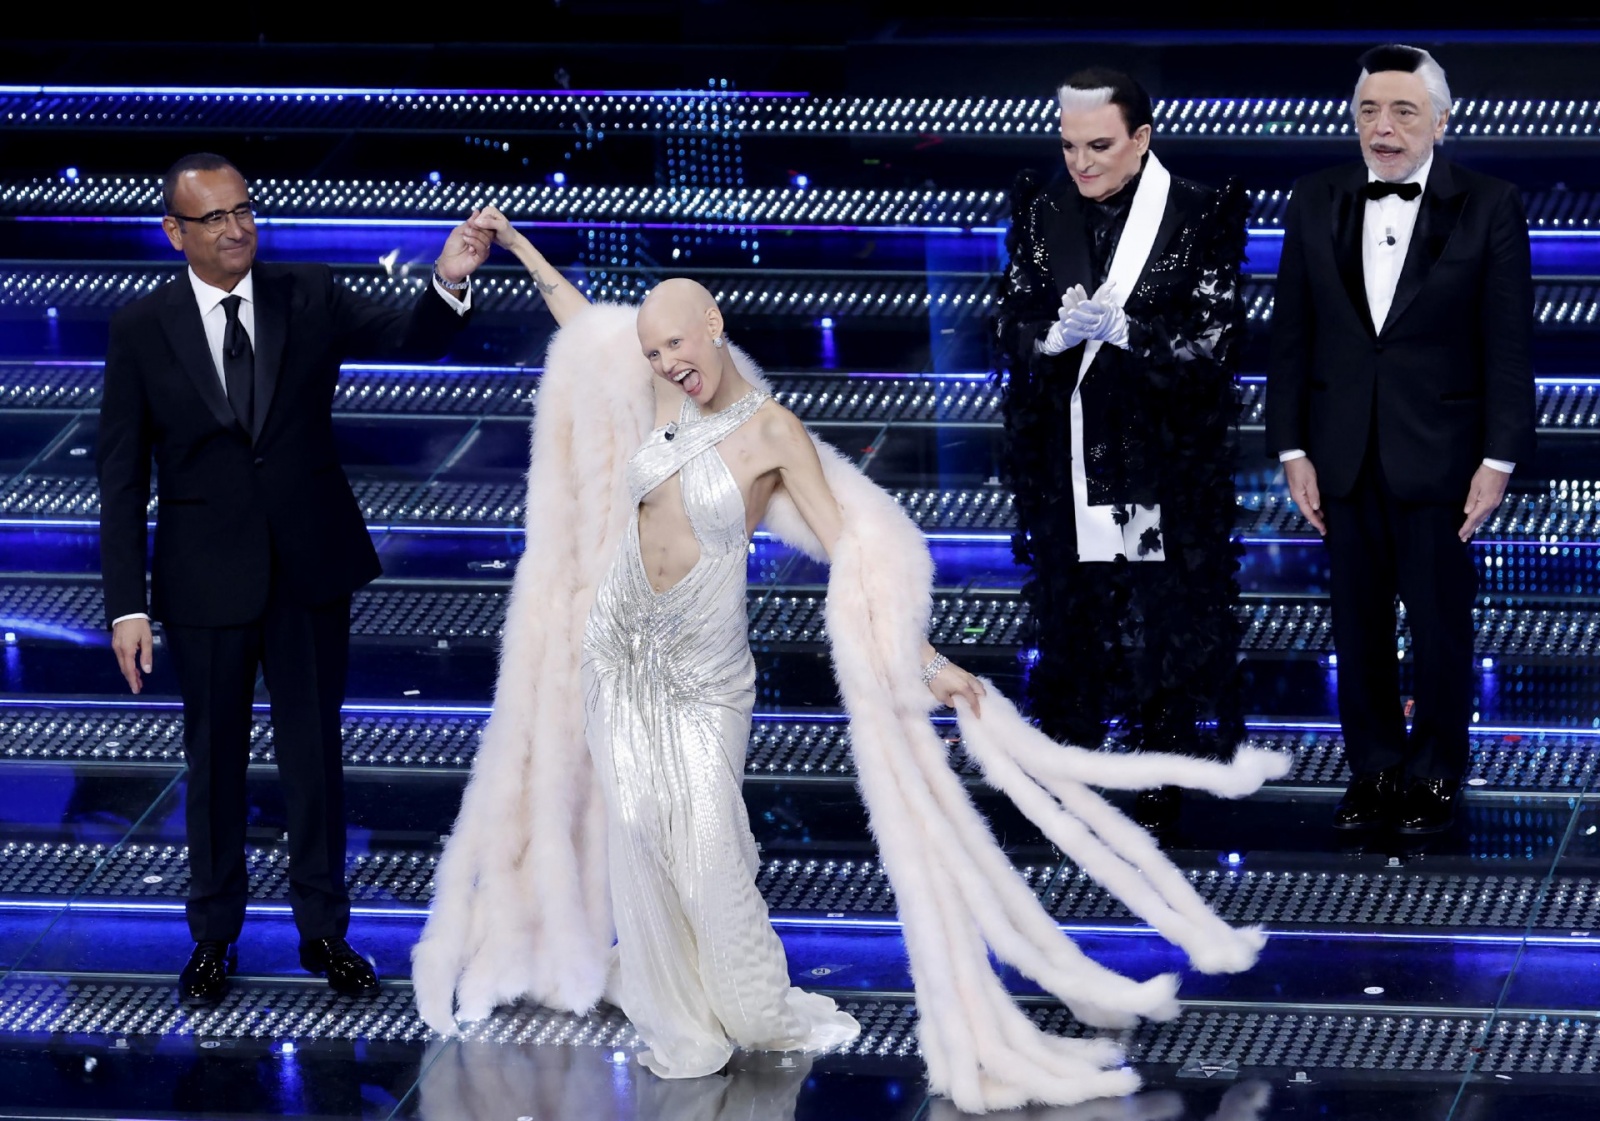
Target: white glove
[(1097, 318), (1060, 337)]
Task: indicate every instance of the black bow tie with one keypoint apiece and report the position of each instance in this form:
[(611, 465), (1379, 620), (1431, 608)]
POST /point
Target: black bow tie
[(1378, 189)]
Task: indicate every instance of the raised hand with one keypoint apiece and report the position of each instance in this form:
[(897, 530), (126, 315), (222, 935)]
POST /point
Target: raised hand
[(494, 228), (492, 222), (465, 249)]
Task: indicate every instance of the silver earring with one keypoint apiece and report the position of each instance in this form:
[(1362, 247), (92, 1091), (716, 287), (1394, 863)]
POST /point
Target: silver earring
[(717, 342)]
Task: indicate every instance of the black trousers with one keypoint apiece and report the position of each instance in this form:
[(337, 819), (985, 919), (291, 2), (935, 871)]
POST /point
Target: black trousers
[(303, 653), (1136, 643), (1380, 547)]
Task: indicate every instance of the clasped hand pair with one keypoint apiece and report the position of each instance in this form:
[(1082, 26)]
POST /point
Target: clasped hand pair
[(467, 247), (469, 243), (1086, 318)]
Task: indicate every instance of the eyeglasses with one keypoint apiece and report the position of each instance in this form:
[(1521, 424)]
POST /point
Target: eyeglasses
[(244, 214)]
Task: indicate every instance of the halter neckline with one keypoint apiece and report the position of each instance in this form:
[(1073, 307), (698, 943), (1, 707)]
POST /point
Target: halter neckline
[(690, 413)]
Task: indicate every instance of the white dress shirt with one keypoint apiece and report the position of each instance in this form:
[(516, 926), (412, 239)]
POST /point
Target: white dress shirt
[(1386, 228), (214, 317)]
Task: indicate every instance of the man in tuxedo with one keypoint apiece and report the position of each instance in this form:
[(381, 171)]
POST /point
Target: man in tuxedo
[(225, 378), (1400, 398)]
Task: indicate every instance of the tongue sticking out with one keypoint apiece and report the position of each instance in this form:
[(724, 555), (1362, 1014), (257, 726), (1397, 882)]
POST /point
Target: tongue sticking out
[(691, 384)]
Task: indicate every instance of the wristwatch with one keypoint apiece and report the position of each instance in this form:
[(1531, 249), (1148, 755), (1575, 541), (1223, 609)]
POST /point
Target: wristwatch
[(450, 285)]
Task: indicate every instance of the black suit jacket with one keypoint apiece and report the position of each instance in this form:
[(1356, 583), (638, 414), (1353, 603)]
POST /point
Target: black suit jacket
[(240, 510), (1160, 410), (1447, 379)]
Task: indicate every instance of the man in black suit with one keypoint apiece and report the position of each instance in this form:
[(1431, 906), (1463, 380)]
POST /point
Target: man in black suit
[(1400, 398), (225, 377)]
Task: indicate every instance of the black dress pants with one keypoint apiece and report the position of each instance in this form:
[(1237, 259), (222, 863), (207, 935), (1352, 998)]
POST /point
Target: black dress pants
[(1119, 641), (1380, 547), (303, 653)]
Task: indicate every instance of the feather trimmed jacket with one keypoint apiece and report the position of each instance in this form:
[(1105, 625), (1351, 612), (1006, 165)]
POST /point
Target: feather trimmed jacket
[(521, 907), (1164, 410)]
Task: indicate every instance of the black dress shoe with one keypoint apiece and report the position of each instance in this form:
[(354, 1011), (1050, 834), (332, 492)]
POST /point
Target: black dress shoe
[(1157, 810), (205, 979), (1369, 801), (347, 971), (1428, 805)]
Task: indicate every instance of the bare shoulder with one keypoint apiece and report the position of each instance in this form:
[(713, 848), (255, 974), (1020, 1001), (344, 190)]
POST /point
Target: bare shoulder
[(778, 422), (781, 429)]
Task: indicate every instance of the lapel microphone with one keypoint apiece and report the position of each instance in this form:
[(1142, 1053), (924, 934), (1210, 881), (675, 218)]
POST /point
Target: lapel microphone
[(1388, 236)]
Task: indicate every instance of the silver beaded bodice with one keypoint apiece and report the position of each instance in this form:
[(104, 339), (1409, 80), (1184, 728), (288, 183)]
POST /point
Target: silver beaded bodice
[(687, 448), (669, 685)]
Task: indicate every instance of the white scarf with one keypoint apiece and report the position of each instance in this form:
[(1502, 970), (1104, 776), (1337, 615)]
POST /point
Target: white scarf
[(1100, 538)]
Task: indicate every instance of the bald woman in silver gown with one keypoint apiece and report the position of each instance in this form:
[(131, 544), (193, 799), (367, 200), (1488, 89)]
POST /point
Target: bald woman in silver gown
[(669, 686)]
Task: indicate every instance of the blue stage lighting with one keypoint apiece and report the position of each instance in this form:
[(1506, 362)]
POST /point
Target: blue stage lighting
[(800, 182), (70, 174), (1333, 660), (1487, 663), (1235, 859), (826, 323), (559, 179), (286, 1048), (435, 177), (51, 313)]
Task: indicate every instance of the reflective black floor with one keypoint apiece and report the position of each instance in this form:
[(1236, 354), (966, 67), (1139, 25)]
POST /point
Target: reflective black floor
[(1403, 979)]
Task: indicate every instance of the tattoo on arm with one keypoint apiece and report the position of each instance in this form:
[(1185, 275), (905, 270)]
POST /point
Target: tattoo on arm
[(546, 289)]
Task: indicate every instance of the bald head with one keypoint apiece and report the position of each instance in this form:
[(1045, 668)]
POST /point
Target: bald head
[(680, 332), (679, 303)]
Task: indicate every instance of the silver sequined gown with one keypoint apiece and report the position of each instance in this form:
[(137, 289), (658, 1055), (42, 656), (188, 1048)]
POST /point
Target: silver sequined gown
[(669, 684)]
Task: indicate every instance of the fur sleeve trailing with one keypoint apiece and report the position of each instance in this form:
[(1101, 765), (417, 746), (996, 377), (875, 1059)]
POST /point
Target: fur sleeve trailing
[(521, 907)]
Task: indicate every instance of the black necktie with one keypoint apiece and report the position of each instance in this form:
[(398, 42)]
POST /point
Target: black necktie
[(238, 364), (1378, 189)]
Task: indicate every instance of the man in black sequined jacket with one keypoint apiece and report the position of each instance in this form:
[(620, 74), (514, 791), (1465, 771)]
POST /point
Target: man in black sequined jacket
[(1119, 317)]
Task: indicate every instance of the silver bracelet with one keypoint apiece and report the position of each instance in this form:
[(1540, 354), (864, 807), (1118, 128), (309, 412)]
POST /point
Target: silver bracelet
[(931, 670), (449, 285)]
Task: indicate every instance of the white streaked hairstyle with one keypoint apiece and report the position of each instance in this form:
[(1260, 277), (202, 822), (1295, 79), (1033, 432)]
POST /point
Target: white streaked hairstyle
[(1074, 100), (1433, 80)]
